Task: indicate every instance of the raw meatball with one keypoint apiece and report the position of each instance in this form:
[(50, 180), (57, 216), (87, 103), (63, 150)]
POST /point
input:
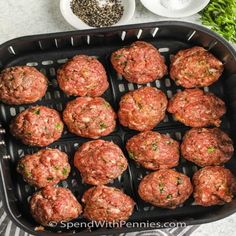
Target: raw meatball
[(37, 126), (213, 185), (99, 162), (54, 204), (83, 76), (165, 188), (197, 108), (142, 109), (139, 63), (22, 85), (109, 204), (89, 117), (154, 150), (45, 167), (206, 147), (195, 67)]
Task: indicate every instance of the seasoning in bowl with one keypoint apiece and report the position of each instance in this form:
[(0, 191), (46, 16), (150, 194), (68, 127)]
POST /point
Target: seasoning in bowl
[(98, 13)]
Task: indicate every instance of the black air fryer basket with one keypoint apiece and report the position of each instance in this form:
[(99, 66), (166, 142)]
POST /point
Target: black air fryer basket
[(48, 52)]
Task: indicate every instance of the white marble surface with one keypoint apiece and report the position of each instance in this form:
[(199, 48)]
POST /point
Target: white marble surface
[(27, 17)]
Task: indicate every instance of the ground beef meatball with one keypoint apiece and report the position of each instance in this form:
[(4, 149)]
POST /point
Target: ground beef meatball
[(153, 150), (45, 167), (54, 204), (22, 85), (89, 117), (37, 126), (142, 109), (139, 63), (165, 188), (109, 204), (195, 67), (99, 162), (213, 185), (206, 147), (83, 76), (197, 108)]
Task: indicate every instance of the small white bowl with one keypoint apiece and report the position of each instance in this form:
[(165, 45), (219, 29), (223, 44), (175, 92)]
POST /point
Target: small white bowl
[(175, 8), (72, 19)]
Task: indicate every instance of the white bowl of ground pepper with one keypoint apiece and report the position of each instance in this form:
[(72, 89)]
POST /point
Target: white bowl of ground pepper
[(85, 14)]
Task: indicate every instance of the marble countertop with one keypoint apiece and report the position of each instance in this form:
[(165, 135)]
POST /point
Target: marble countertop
[(27, 17)]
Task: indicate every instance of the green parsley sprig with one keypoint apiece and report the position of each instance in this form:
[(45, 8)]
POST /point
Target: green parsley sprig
[(220, 16)]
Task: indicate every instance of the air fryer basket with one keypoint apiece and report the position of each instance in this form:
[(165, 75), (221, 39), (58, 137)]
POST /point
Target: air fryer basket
[(48, 52)]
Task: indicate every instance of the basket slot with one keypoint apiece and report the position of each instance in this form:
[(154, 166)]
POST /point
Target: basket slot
[(72, 41), (123, 34), (11, 50), (191, 35), (47, 62), (52, 72), (62, 60), (163, 50), (169, 94), (88, 39), (212, 44), (154, 32), (32, 63), (139, 34), (56, 43)]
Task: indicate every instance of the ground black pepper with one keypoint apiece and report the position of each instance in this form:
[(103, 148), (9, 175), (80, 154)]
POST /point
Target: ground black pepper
[(98, 13)]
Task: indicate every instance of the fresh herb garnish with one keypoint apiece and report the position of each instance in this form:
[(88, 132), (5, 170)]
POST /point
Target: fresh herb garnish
[(124, 63), (123, 166), (102, 126), (154, 147), (169, 196), (107, 104), (58, 126), (56, 167), (64, 171), (219, 15), (179, 181), (118, 56), (50, 178), (36, 112), (21, 167), (140, 106), (210, 149), (27, 173), (210, 71), (161, 187), (131, 155)]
